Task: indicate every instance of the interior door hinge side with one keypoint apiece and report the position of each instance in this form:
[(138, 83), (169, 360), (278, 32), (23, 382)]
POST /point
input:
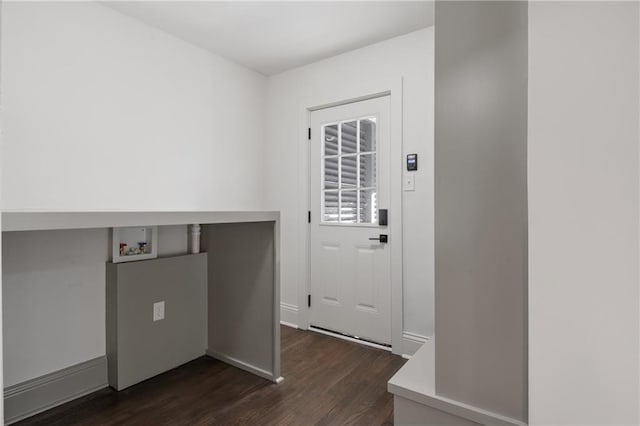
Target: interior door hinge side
[(309, 300), (309, 134), (309, 216)]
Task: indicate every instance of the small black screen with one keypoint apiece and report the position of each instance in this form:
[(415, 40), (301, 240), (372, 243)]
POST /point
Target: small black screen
[(412, 162)]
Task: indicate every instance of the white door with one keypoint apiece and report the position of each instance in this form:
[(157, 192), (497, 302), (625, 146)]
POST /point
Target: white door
[(350, 279)]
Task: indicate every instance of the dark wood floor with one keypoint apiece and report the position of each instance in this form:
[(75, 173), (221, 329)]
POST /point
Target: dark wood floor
[(327, 381)]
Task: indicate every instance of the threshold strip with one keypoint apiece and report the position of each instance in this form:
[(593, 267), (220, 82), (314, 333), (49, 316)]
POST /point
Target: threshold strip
[(349, 338)]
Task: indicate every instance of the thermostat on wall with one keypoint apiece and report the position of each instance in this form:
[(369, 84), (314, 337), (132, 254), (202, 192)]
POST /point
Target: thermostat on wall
[(412, 162)]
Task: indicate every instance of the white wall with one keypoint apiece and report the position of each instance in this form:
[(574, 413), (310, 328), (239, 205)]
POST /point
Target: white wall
[(102, 112), (583, 213), (409, 57), (54, 300)]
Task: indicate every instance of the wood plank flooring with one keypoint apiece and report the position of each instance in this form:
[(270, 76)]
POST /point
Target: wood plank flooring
[(328, 381)]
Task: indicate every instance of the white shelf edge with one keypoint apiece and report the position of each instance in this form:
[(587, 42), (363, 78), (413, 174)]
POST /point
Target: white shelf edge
[(39, 221)]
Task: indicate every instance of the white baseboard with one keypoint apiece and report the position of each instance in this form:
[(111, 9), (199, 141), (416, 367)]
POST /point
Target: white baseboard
[(42, 393), (288, 324), (289, 315), (244, 366), (411, 342), (350, 339)]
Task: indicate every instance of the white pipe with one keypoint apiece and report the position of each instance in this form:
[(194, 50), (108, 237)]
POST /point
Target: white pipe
[(195, 239)]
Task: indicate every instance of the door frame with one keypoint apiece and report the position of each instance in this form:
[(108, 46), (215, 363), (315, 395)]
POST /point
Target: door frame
[(366, 91)]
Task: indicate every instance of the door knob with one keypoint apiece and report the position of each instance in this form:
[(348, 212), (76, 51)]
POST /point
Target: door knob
[(383, 238)]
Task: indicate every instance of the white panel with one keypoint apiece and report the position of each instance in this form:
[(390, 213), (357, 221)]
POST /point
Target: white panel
[(365, 279), (329, 273)]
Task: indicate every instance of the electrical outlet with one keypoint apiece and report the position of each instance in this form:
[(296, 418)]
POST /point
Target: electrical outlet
[(158, 311)]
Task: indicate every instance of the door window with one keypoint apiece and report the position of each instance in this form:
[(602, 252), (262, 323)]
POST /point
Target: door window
[(349, 184)]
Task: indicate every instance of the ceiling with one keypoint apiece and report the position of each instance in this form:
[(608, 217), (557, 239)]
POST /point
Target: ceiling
[(273, 36)]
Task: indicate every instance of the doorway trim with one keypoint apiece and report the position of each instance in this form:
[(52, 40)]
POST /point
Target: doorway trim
[(364, 91)]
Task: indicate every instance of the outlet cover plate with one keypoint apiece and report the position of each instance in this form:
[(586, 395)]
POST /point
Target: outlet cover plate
[(158, 311), (409, 183)]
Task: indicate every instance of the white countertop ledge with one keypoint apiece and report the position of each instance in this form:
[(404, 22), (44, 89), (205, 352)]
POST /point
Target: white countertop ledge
[(415, 381), (39, 221)]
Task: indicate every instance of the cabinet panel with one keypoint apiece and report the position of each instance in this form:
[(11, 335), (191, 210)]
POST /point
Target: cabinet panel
[(139, 347)]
